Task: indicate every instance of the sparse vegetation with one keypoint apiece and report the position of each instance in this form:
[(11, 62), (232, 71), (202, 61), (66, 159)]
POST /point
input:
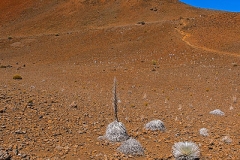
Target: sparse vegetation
[(186, 151), (227, 139), (116, 131), (131, 147), (217, 112), (17, 77), (154, 62), (155, 125), (115, 99), (204, 132)]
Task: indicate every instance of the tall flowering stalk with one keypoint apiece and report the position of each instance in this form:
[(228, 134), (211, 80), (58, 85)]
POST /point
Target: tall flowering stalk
[(115, 99)]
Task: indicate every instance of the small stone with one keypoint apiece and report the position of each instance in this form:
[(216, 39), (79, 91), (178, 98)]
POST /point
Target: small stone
[(81, 132), (141, 22), (4, 155), (153, 69), (73, 104), (20, 132), (2, 109)]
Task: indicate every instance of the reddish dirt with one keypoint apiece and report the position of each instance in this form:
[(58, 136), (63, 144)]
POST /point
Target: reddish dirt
[(177, 66)]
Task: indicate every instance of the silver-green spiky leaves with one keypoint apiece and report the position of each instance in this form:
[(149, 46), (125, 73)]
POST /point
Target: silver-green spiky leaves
[(186, 151), (204, 132), (217, 112), (131, 147), (116, 132), (155, 125)]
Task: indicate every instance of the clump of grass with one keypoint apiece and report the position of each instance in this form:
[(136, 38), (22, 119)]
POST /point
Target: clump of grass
[(17, 77), (186, 151), (154, 62), (116, 131), (217, 112), (155, 125), (131, 147), (204, 132)]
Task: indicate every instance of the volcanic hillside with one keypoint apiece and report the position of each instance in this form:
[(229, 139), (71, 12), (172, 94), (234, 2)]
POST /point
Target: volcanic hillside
[(172, 62)]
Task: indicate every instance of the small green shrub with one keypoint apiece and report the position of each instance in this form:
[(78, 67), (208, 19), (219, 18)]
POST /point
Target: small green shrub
[(17, 77), (154, 62)]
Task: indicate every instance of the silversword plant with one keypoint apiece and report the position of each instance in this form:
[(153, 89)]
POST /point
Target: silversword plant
[(155, 125), (217, 112), (186, 151), (204, 132), (227, 139), (131, 147), (116, 131)]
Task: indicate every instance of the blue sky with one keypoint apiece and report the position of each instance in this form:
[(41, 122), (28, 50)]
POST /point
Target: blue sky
[(225, 5)]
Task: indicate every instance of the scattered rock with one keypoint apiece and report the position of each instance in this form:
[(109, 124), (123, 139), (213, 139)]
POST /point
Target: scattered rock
[(141, 22), (4, 155), (82, 131), (3, 109), (73, 104), (17, 77), (153, 9), (3, 66), (20, 132)]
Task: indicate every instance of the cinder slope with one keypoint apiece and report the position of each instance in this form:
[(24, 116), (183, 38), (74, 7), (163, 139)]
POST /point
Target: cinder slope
[(46, 17), (173, 62)]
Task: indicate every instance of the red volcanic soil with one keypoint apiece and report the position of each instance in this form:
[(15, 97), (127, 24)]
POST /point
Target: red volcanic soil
[(172, 62)]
